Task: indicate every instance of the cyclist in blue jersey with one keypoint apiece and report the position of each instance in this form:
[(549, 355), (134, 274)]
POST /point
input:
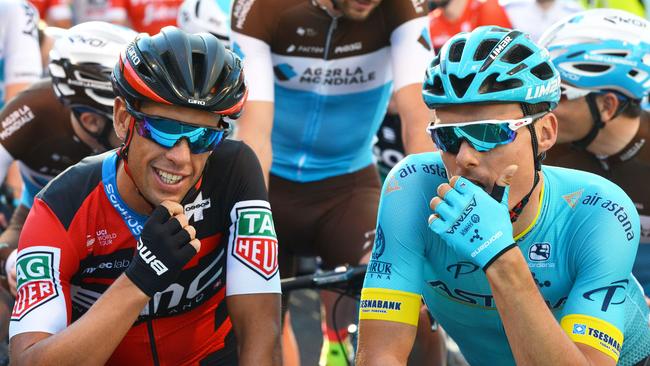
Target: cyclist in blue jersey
[(520, 263), (603, 56), (321, 73)]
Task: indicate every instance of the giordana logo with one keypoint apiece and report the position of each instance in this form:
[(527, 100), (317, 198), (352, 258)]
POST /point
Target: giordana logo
[(195, 209), (133, 56), (539, 252), (487, 243), (256, 243), (196, 101), (36, 282)]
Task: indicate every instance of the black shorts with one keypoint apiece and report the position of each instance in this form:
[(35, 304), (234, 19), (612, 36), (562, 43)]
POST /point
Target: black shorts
[(333, 218)]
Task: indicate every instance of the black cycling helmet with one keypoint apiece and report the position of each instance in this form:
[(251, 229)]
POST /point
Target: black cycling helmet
[(178, 68)]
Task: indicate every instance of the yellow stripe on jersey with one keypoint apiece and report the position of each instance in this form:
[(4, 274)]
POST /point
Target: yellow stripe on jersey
[(391, 305), (594, 332)]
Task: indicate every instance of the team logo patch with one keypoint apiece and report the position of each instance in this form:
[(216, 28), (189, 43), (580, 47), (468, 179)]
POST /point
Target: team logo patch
[(256, 244), (36, 282)]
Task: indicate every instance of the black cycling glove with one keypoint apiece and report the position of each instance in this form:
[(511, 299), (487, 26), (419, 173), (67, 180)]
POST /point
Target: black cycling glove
[(162, 251)]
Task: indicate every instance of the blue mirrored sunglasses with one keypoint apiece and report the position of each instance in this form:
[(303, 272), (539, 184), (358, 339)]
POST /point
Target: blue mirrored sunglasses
[(481, 135), (168, 132)]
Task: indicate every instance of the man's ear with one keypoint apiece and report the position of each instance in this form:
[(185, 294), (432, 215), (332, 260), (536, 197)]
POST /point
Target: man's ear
[(546, 129), (608, 105), (92, 122), (120, 118)]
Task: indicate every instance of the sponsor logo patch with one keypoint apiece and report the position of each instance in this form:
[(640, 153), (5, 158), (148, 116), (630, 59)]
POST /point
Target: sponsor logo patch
[(579, 328), (539, 252), (572, 199), (36, 283), (195, 209), (256, 243)]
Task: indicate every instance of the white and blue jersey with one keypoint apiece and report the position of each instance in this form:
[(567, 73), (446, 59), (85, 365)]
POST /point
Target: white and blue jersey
[(20, 55), (580, 249), (330, 78)]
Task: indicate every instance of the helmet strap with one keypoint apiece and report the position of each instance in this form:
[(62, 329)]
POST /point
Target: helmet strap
[(102, 136), (519, 207), (597, 123), (123, 153)]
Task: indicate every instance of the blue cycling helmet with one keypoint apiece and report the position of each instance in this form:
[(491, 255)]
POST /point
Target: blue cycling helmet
[(491, 65), (601, 50)]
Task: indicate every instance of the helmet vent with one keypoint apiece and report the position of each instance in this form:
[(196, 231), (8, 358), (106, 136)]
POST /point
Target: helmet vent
[(456, 51), (484, 49), (491, 85), (517, 54), (615, 54), (517, 68), (633, 73), (437, 88), (436, 61), (543, 71), (460, 85), (592, 67)]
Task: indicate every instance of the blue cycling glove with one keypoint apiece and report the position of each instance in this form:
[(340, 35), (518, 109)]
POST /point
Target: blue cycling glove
[(472, 222)]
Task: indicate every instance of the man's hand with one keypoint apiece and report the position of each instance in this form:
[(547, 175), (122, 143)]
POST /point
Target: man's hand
[(167, 243), (475, 223)]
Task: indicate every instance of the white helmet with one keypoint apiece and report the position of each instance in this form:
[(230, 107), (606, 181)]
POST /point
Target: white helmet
[(81, 62), (601, 49), (212, 16)]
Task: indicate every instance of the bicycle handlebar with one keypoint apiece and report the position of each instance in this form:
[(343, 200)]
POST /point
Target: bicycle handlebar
[(344, 277)]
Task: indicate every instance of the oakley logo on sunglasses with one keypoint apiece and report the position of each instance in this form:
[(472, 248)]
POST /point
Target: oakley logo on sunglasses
[(194, 101)]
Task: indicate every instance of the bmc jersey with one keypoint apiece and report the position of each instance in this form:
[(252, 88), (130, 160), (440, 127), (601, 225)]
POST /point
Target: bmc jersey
[(20, 55), (80, 236), (579, 248), (330, 78), (630, 169), (35, 129), (476, 13)]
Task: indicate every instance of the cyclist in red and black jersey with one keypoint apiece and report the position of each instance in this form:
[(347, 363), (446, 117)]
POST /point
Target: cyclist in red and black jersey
[(163, 252), (58, 121)]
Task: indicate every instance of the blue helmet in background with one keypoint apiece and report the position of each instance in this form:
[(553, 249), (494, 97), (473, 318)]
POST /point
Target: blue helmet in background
[(601, 50), (491, 65)]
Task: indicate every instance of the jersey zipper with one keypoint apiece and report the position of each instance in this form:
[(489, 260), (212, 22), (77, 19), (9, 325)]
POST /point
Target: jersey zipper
[(314, 123), (152, 338)]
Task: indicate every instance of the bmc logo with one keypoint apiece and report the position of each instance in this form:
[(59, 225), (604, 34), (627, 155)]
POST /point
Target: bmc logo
[(35, 282), (149, 258), (256, 244)]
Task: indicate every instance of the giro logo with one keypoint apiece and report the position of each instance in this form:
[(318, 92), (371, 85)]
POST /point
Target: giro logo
[(196, 101), (462, 268), (149, 258), (133, 56), (539, 252), (195, 209), (608, 294), (463, 216)]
